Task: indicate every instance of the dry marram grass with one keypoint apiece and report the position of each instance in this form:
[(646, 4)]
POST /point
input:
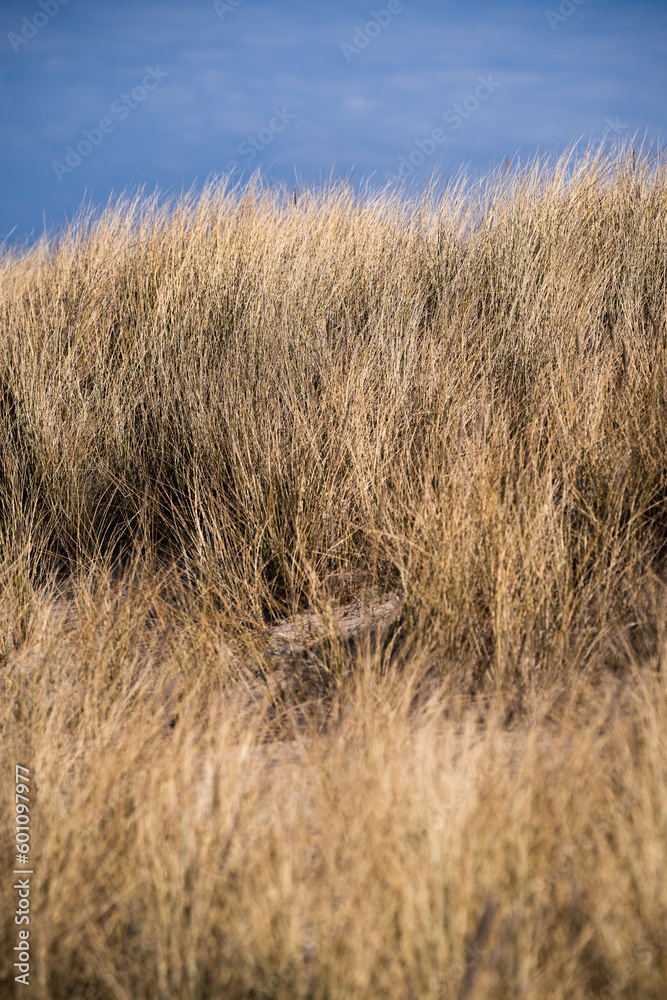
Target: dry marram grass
[(332, 541)]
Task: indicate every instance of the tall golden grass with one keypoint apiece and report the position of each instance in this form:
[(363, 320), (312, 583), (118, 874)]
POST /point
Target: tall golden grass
[(230, 415)]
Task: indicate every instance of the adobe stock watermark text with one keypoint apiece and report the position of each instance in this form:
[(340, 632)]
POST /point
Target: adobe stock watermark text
[(22, 885), (121, 108)]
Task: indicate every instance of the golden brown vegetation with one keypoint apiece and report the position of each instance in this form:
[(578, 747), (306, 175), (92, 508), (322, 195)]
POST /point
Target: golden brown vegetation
[(223, 420)]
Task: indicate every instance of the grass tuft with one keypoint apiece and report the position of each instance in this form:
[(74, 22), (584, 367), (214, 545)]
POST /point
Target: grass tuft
[(332, 559)]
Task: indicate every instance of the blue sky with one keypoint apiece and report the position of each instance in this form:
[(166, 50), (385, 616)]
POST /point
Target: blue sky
[(101, 96)]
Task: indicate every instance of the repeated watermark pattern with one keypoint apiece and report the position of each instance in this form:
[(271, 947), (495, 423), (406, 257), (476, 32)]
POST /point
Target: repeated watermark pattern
[(615, 129), (363, 37), (454, 117), (565, 9), (222, 7), (121, 108), (31, 26), (641, 956), (254, 144)]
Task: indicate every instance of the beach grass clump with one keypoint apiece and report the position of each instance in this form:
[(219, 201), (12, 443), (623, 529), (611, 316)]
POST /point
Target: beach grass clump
[(333, 540)]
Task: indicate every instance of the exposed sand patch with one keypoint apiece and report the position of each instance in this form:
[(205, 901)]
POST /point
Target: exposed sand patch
[(368, 611)]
